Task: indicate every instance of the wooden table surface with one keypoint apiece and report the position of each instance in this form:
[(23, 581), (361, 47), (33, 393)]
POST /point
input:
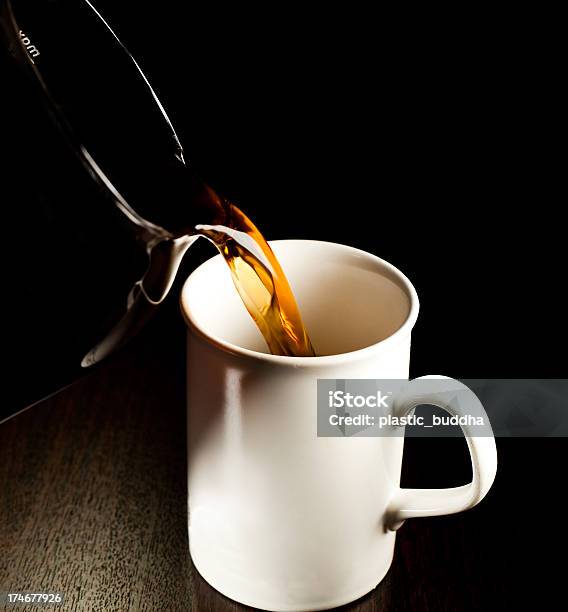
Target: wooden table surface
[(93, 503)]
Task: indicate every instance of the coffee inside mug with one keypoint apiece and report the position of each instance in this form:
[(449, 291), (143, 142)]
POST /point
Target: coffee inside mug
[(349, 299)]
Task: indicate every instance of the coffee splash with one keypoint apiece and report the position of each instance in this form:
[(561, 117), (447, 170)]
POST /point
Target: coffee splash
[(261, 283)]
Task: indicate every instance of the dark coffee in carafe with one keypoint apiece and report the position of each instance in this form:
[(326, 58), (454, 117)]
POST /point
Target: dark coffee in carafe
[(100, 205)]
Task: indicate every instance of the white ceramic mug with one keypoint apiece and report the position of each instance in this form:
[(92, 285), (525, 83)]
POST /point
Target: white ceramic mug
[(279, 518)]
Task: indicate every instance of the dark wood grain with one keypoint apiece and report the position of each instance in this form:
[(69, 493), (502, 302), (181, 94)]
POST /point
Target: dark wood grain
[(93, 503)]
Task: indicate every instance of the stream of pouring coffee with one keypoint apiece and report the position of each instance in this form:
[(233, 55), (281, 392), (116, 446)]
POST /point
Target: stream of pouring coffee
[(259, 279)]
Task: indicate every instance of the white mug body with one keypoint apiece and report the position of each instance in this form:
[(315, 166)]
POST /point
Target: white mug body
[(279, 518)]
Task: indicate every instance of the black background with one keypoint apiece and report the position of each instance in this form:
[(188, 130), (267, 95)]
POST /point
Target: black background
[(434, 149)]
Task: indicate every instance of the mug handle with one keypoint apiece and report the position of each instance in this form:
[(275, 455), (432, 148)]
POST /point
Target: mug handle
[(411, 503)]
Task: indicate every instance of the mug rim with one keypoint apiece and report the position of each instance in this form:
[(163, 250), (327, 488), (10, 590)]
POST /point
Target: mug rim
[(323, 360)]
